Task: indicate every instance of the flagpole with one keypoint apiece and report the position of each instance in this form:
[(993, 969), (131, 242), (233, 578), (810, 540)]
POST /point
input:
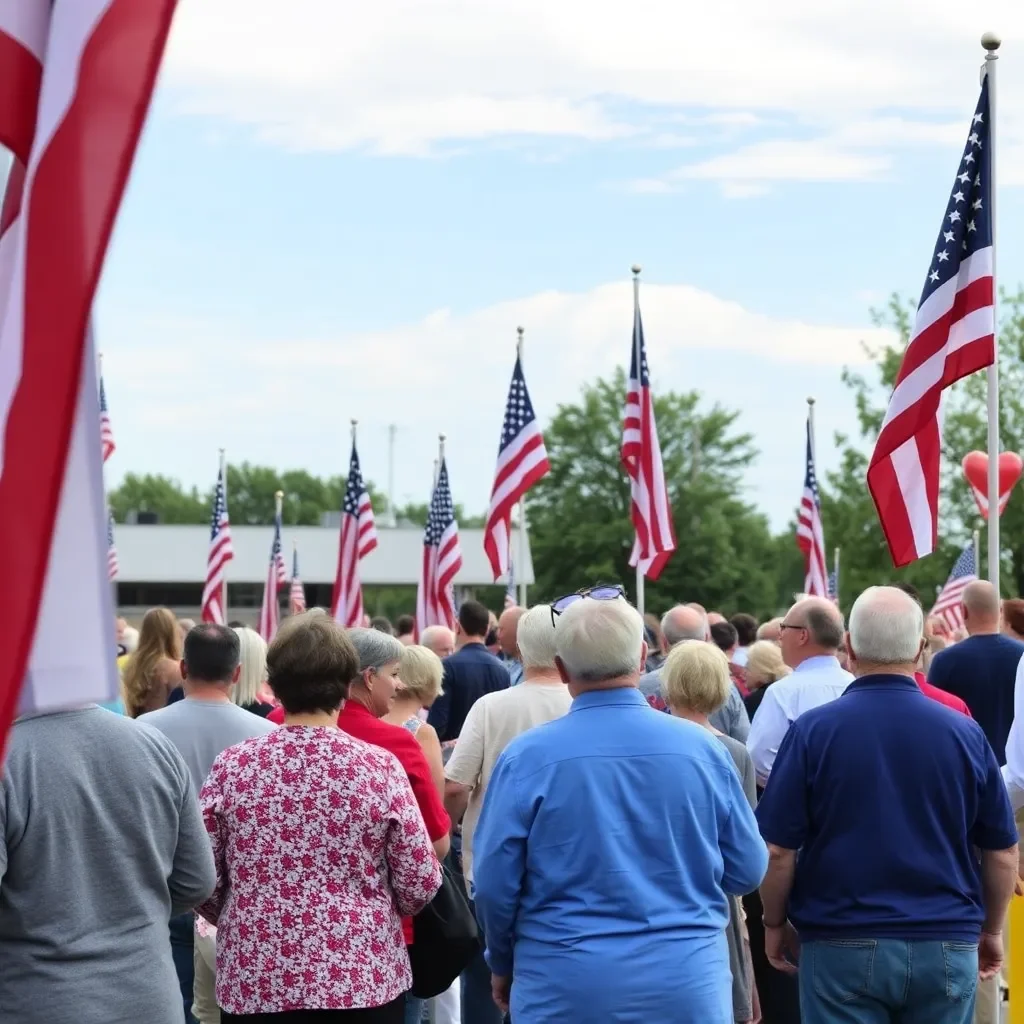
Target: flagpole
[(224, 568), (636, 268), (814, 458), (991, 42), (977, 549), (835, 570), (521, 558)]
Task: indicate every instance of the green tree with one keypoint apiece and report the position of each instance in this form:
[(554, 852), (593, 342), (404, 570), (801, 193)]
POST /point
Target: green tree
[(580, 529), (848, 512), (160, 494)]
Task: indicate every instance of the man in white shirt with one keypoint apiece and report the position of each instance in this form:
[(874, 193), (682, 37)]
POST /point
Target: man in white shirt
[(492, 723), (809, 635)]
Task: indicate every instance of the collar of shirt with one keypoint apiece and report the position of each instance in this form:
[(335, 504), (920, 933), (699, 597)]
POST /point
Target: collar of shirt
[(353, 707), (819, 661), (621, 695), (884, 681)]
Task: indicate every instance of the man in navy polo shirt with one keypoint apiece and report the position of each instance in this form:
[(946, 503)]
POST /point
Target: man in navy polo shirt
[(888, 797)]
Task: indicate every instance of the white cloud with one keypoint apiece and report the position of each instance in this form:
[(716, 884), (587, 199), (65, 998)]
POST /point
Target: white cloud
[(404, 75), (288, 400)]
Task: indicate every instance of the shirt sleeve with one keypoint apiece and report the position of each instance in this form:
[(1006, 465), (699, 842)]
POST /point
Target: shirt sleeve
[(435, 817), (466, 764), (414, 870), (193, 875), (744, 855), (210, 801), (499, 864), (740, 720), (766, 733), (440, 710), (782, 810), (1013, 771), (994, 827)]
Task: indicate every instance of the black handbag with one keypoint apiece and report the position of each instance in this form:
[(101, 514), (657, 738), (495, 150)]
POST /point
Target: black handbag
[(445, 939)]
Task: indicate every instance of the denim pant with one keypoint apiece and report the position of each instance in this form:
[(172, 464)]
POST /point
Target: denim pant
[(414, 1009), (879, 981), (182, 929), (478, 1006)]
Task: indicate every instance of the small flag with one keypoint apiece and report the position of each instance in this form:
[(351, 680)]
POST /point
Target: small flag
[(277, 576), (221, 552), (810, 537), (948, 605), (112, 565), (357, 539), (442, 559), (833, 587), (510, 588), (297, 594), (106, 433)]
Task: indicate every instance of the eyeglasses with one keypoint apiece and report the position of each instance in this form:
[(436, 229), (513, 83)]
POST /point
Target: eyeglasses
[(786, 625), (598, 592)]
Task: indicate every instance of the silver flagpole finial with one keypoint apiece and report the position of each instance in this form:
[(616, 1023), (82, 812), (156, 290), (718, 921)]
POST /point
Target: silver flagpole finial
[(991, 41), (636, 268), (810, 400)]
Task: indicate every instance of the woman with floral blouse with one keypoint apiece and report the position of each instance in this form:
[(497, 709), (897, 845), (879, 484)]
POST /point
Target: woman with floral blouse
[(320, 849)]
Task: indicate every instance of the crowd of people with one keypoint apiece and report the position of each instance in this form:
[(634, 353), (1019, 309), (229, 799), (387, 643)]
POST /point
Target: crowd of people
[(688, 819)]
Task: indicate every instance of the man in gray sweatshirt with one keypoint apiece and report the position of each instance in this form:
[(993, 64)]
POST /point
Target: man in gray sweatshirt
[(101, 842)]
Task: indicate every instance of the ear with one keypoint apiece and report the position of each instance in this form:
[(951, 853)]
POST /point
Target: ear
[(237, 674), (562, 672), (183, 670), (920, 649), (643, 655), (851, 655)]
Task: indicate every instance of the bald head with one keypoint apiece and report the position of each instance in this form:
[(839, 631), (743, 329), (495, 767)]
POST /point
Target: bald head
[(886, 631), (770, 630), (439, 639), (508, 628), (981, 607), (684, 622), (714, 618)]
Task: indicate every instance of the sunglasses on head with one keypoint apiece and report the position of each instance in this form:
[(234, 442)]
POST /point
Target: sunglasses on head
[(598, 592)]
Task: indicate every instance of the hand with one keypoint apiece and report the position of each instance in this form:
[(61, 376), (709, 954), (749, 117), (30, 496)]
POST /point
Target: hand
[(1018, 887), (990, 955), (782, 947), (501, 990)]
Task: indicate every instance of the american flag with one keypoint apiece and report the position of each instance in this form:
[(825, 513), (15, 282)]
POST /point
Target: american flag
[(106, 433), (510, 586), (442, 559), (641, 458), (833, 587), (77, 80), (947, 605), (297, 594), (113, 568), (277, 576), (221, 552), (953, 336), (522, 461), (809, 535), (357, 539)]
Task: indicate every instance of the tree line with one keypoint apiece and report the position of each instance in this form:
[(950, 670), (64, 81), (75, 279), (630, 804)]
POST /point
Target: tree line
[(728, 557)]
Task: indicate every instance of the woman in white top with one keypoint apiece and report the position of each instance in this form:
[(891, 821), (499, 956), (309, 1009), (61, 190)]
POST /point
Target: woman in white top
[(420, 672)]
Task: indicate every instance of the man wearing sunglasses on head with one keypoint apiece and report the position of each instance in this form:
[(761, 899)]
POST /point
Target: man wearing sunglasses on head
[(608, 844)]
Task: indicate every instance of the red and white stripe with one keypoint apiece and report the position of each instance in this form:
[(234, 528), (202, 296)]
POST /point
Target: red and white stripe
[(435, 602), (74, 133), (650, 508), (949, 608), (953, 336), (358, 539), (811, 540)]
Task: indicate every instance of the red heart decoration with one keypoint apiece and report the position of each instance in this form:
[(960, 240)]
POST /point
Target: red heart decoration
[(975, 466)]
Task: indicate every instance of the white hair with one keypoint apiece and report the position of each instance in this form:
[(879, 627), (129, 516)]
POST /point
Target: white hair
[(536, 638), (375, 649), (599, 640), (130, 639), (886, 626), (252, 651)]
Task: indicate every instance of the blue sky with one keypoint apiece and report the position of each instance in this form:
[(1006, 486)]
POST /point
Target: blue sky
[(341, 216)]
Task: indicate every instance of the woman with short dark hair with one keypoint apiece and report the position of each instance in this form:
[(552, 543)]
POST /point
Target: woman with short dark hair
[(320, 848)]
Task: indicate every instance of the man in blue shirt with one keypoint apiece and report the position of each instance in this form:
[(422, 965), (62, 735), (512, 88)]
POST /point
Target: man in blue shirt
[(468, 674), (981, 670), (607, 846), (887, 795)]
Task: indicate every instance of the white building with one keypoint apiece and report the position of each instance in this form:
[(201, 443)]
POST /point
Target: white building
[(163, 564)]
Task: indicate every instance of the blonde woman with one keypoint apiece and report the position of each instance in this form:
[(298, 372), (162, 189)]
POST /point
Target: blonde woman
[(764, 667), (420, 671), (154, 670), (697, 683), (251, 690)]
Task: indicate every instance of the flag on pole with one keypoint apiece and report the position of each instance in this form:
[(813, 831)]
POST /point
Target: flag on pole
[(113, 568), (522, 462), (442, 559), (833, 587), (510, 586), (809, 534), (641, 458), (953, 335), (221, 552), (357, 539), (106, 433), (948, 607), (277, 576), (76, 84), (297, 594)]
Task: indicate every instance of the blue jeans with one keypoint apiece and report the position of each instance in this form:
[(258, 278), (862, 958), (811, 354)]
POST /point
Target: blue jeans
[(478, 1006), (883, 981), (182, 944), (414, 1009)]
